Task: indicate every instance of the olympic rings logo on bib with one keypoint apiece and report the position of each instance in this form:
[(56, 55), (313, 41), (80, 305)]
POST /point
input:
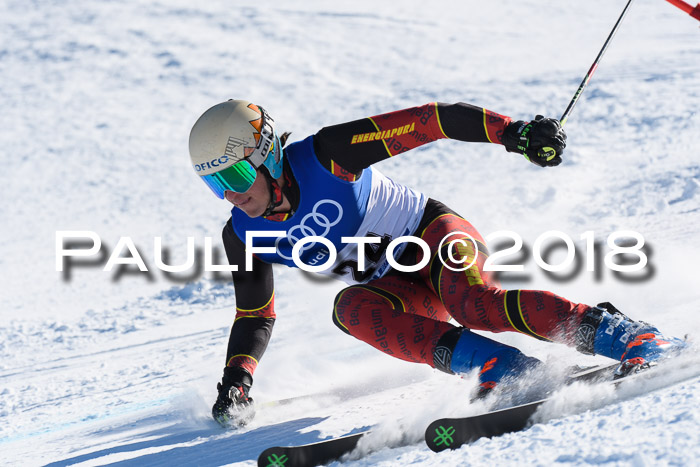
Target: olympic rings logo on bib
[(317, 223)]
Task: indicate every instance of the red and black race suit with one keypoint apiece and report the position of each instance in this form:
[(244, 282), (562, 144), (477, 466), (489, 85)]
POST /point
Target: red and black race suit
[(401, 314)]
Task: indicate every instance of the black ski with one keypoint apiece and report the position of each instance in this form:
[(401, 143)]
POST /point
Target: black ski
[(451, 433), (309, 455)]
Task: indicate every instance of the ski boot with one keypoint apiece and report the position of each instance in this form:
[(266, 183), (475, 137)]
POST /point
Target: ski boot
[(233, 406), (637, 345), (497, 363)]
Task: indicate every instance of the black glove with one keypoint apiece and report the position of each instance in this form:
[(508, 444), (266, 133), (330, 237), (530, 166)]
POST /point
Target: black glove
[(541, 141), (233, 406)]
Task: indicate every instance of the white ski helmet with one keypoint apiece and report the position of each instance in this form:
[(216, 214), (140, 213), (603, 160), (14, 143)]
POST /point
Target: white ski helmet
[(230, 141)]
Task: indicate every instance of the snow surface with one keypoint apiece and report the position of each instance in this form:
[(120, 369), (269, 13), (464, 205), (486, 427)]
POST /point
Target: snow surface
[(96, 103)]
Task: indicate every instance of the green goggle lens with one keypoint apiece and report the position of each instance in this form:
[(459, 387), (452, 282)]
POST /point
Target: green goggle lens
[(239, 178)]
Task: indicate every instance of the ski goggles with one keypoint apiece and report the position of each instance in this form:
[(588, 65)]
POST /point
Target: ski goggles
[(240, 176)]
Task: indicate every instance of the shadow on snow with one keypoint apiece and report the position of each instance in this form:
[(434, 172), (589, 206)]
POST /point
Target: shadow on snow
[(207, 446)]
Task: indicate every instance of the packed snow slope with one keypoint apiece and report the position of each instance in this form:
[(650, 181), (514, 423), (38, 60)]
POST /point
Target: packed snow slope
[(96, 103)]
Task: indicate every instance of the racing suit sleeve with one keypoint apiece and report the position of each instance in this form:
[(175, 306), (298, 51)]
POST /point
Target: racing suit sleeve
[(356, 145), (255, 314)]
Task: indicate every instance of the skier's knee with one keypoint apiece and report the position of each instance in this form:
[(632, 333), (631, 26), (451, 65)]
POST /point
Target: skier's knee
[(340, 304)]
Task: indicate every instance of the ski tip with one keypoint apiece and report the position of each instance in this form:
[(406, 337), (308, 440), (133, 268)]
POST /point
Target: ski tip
[(439, 436), (273, 457)]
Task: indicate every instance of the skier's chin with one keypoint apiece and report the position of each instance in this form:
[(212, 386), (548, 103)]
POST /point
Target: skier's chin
[(251, 211)]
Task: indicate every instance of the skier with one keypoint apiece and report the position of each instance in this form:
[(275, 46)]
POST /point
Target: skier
[(327, 186)]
